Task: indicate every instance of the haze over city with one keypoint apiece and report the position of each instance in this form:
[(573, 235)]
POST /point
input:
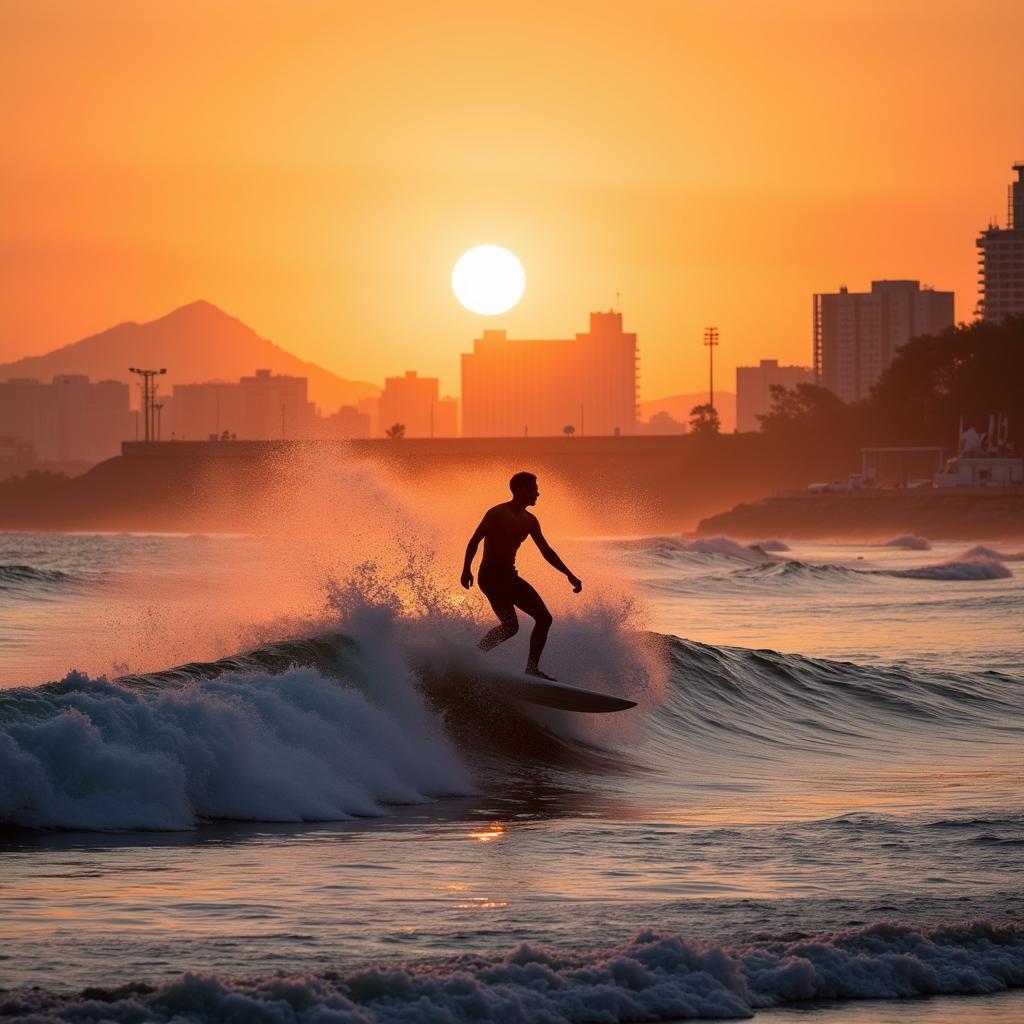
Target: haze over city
[(316, 171)]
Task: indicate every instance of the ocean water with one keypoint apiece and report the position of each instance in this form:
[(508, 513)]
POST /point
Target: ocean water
[(226, 796)]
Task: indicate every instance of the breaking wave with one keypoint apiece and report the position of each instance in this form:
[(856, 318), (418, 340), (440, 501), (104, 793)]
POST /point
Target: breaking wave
[(652, 977), (323, 728)]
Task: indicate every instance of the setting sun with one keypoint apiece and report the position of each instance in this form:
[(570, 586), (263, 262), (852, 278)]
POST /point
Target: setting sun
[(488, 279)]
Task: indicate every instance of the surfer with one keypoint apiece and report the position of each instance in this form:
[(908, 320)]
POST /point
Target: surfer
[(503, 529)]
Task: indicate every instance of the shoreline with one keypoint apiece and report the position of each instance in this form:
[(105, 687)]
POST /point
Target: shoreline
[(961, 515)]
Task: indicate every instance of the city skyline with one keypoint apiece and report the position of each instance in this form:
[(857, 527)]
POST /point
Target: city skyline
[(338, 238)]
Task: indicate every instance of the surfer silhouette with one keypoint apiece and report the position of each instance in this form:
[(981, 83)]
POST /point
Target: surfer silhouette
[(503, 529)]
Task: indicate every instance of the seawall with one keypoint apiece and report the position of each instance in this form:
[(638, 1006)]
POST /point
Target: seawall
[(629, 484)]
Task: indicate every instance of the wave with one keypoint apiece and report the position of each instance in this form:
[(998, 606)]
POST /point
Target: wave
[(291, 745), (716, 547), (733, 703), (651, 977), (978, 567), (324, 728), (909, 542), (980, 551), (25, 578)]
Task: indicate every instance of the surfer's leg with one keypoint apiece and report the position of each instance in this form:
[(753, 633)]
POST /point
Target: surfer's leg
[(530, 601), (501, 601), (505, 630)]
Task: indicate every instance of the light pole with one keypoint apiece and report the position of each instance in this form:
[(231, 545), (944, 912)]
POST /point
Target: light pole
[(711, 340), (149, 387)]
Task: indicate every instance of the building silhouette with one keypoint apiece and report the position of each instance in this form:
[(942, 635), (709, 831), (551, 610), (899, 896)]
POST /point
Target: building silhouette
[(415, 402), (856, 334), (538, 388), (347, 422), (753, 389), (266, 406), (68, 420), (1001, 275)]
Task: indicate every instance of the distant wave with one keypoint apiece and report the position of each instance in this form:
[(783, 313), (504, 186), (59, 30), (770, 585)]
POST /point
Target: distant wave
[(980, 551), (713, 546), (978, 567), (652, 977), (22, 576), (909, 542)]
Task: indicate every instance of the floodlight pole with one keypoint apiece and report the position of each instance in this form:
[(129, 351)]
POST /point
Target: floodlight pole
[(711, 340), (149, 387)]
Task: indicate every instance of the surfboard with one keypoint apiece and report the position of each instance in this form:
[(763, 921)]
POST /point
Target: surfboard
[(453, 683), (547, 694)]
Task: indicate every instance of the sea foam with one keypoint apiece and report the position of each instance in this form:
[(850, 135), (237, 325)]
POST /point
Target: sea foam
[(96, 754), (651, 977)]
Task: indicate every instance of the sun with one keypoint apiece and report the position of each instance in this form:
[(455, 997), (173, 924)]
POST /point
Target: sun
[(488, 279)]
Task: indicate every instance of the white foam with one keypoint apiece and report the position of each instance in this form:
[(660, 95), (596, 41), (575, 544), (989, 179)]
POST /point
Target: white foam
[(95, 754), (652, 977)]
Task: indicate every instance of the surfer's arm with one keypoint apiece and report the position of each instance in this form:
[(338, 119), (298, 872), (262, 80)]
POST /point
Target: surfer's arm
[(551, 555), (474, 543)]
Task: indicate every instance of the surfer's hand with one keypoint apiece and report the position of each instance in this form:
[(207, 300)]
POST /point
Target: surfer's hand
[(577, 584), (467, 578)]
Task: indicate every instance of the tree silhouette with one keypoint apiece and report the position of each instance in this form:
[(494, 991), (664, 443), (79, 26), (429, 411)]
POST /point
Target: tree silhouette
[(568, 430), (395, 431), (704, 419)]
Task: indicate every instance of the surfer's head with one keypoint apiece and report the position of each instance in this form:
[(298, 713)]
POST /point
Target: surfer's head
[(524, 488)]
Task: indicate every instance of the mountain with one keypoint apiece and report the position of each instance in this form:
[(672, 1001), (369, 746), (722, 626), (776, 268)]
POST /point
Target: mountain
[(679, 406), (197, 342)]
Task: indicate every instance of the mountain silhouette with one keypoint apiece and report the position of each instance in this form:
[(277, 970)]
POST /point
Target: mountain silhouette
[(197, 342)]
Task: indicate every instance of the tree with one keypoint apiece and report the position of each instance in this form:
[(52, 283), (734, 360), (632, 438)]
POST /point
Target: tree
[(568, 430), (704, 419), (800, 408), (395, 431)]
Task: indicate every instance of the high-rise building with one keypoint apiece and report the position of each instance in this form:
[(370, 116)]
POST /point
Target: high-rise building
[(753, 389), (856, 334), (415, 402), (539, 388), (1001, 277), (71, 419), (263, 407)]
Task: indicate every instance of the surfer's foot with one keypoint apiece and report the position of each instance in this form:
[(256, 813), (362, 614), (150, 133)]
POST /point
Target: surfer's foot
[(532, 670)]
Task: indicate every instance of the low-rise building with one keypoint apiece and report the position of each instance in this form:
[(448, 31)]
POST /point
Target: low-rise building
[(753, 389)]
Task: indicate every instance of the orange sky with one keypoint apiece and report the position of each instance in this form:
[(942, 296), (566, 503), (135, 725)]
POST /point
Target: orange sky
[(315, 168)]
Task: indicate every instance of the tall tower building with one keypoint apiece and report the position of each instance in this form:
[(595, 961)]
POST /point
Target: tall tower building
[(856, 334), (1001, 277)]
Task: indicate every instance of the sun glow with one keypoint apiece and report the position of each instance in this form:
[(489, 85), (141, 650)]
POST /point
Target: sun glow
[(488, 279)]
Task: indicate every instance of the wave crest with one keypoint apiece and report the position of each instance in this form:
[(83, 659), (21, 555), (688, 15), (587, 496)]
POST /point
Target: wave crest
[(295, 746)]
